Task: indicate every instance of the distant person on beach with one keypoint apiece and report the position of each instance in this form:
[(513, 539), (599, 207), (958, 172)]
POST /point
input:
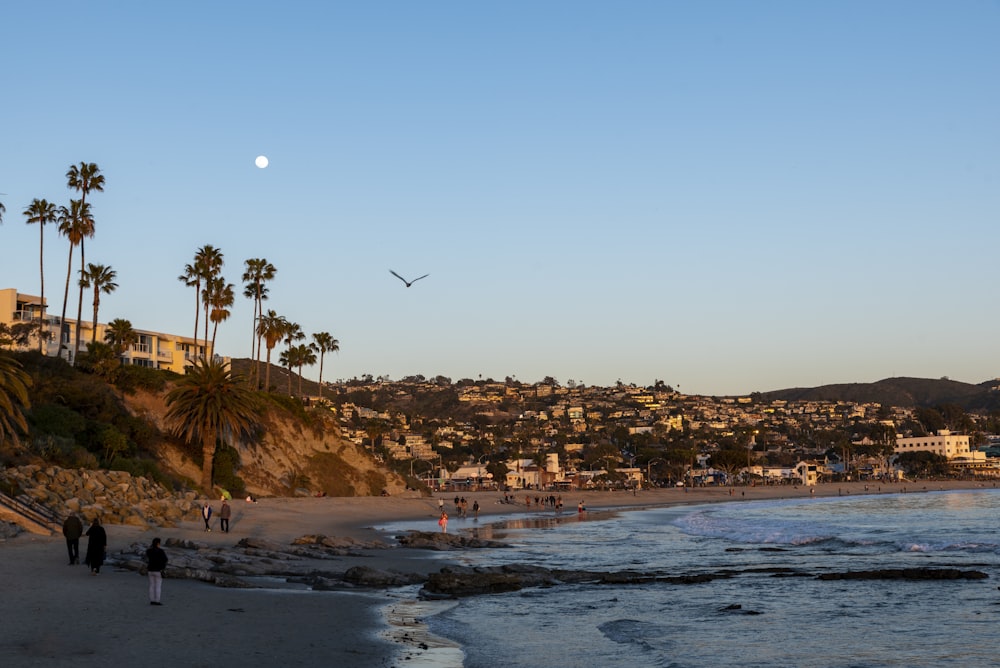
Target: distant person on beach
[(206, 514), (97, 547), (475, 509), (224, 514), (72, 529), (443, 522), (580, 508), (156, 562)]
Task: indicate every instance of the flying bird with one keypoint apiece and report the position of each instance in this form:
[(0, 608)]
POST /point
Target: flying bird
[(408, 283)]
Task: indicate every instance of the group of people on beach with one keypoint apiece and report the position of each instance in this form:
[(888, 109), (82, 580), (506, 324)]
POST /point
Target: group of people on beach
[(97, 542), (97, 550), (225, 513)]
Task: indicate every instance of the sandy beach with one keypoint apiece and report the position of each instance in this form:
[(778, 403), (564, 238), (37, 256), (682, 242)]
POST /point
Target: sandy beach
[(60, 615)]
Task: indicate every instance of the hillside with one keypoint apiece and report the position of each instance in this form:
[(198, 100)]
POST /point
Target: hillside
[(907, 392), (78, 420), (291, 457)]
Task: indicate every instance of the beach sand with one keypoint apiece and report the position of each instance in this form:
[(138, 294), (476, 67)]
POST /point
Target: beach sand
[(59, 615)]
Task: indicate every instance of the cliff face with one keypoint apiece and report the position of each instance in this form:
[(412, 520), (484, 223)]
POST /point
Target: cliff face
[(289, 459)]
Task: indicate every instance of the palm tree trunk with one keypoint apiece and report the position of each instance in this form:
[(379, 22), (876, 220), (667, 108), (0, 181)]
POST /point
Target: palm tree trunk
[(208, 460), (321, 375), (62, 320), (267, 372), (41, 272), (79, 309), (97, 302), (197, 312)]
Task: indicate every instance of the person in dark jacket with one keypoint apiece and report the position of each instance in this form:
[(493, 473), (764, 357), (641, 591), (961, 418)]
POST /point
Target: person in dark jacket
[(72, 530), (97, 546), (156, 562)]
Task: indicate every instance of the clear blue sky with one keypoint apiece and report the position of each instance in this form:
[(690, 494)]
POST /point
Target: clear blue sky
[(728, 196)]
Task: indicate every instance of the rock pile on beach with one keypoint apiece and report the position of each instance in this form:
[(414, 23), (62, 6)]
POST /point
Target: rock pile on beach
[(114, 497)]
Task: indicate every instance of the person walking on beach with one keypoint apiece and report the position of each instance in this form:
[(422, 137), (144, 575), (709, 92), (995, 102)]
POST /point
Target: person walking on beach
[(206, 514), (475, 509), (156, 562), (443, 522), (72, 529), (97, 546), (224, 514)]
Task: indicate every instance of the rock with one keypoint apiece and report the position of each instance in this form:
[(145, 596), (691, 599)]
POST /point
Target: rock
[(906, 574), (366, 576), (433, 540)]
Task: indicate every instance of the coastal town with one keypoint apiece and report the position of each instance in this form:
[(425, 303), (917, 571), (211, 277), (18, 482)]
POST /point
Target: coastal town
[(552, 436)]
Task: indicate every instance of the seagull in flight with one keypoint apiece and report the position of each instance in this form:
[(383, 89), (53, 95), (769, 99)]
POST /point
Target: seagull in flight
[(408, 283)]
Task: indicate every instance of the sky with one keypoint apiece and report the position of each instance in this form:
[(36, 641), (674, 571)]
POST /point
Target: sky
[(727, 196)]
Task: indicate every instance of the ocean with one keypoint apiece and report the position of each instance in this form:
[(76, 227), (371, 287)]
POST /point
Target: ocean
[(769, 610)]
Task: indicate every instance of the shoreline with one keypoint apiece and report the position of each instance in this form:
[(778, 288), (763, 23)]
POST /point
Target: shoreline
[(69, 618)]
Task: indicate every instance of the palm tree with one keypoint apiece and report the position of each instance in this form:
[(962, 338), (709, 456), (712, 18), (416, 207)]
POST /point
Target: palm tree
[(324, 343), (14, 384), (220, 297), (299, 356), (102, 279), (120, 336), (272, 328), (44, 213), (208, 404), (75, 223), (258, 272), (192, 279), (208, 262), (83, 178), (293, 332)]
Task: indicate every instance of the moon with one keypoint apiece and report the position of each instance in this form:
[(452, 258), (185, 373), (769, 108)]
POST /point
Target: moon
[(261, 161)]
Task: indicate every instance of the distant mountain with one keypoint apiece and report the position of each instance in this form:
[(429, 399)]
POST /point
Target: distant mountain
[(906, 392)]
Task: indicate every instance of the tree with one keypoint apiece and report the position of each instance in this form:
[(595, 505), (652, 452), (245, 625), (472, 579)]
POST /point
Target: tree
[(101, 279), (120, 336), (208, 404), (293, 332), (729, 460), (208, 261), (324, 343), (14, 384), (272, 328), (219, 296), (257, 273), (304, 355), (192, 279), (83, 178), (44, 213), (75, 223)]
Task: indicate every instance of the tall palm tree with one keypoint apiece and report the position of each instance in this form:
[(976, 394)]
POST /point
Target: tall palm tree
[(120, 336), (207, 404), (14, 384), (293, 332), (44, 213), (83, 178), (257, 273), (220, 297), (192, 279), (102, 279), (324, 343), (75, 223), (208, 263), (305, 354), (272, 328)]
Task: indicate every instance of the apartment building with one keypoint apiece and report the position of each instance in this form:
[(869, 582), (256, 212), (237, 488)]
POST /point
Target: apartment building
[(155, 350)]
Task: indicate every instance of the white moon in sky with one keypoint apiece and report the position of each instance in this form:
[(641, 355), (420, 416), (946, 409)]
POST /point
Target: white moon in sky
[(261, 161)]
